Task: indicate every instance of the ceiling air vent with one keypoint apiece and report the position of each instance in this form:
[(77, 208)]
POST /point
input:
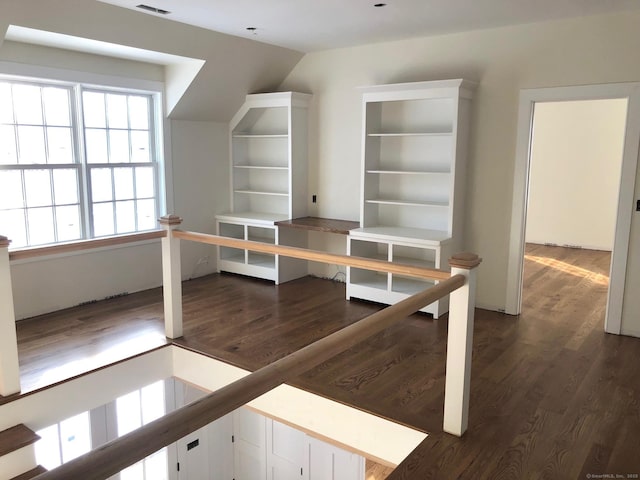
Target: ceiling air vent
[(149, 8)]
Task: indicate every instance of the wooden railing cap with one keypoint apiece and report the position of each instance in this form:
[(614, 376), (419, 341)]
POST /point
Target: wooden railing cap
[(4, 241), (466, 260), (170, 220)]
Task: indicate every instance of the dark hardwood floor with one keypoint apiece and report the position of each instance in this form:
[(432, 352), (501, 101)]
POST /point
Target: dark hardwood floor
[(553, 396)]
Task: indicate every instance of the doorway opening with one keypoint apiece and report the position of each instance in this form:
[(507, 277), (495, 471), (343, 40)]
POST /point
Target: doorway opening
[(618, 291), (575, 161)]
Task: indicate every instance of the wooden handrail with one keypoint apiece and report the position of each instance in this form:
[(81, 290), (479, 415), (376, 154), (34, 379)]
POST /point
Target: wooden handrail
[(118, 454), (316, 256), (85, 245)]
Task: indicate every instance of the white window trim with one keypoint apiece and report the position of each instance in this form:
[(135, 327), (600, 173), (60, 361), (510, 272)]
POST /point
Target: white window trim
[(38, 73)]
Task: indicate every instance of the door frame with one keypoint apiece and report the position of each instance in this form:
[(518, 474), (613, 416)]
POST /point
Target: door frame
[(515, 268)]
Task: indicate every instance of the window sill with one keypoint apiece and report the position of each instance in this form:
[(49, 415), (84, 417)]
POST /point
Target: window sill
[(84, 246)]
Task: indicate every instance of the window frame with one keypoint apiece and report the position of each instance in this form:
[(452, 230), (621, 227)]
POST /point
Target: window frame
[(158, 140)]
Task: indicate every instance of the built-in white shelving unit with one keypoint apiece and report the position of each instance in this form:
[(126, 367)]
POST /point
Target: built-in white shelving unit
[(413, 159), (268, 143)]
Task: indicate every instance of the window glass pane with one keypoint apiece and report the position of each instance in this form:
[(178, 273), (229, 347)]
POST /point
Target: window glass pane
[(65, 186), (56, 106), (134, 472), (144, 182), (6, 112), (139, 112), (117, 111), (37, 187), (152, 398), (12, 223), (146, 214), (125, 217), (48, 448), (11, 189), (119, 146), (68, 223), (96, 143), (60, 148), (27, 104), (31, 145), (101, 184), (156, 466), (40, 221), (103, 219), (128, 413), (93, 108), (140, 147), (123, 181), (8, 145), (75, 436)]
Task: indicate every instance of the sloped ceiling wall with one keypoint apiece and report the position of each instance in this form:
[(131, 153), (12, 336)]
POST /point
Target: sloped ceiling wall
[(234, 66)]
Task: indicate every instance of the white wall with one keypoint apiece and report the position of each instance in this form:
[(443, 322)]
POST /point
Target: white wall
[(199, 152), (574, 179), (570, 52), (201, 186)]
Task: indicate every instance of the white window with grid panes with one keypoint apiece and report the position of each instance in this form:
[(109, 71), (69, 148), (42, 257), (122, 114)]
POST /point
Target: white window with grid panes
[(76, 162)]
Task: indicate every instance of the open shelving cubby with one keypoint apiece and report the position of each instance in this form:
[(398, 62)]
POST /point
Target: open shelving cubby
[(268, 143), (413, 160)]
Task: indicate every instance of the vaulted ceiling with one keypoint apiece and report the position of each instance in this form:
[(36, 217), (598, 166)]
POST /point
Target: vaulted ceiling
[(238, 61), (320, 25)]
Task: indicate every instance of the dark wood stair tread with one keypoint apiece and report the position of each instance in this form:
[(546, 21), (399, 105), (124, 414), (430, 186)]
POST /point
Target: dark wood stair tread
[(15, 438), (31, 473)]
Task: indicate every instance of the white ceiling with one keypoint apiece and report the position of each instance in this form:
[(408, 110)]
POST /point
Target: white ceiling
[(307, 25)]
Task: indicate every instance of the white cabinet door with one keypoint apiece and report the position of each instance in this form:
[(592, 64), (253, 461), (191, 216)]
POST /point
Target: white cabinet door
[(249, 430), (221, 449), (347, 465), (286, 452), (193, 455), (327, 462)]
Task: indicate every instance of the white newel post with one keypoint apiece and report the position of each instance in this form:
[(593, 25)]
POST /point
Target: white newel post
[(171, 277), (9, 365), (460, 345)]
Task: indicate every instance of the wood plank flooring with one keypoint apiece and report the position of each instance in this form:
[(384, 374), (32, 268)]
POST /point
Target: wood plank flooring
[(553, 396)]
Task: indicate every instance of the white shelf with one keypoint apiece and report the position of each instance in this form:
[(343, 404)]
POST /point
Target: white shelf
[(409, 286), (378, 282), (416, 262), (411, 134), (260, 135), (385, 201), (382, 257), (409, 172), (411, 235), (258, 192), (234, 258), (261, 260), (257, 218), (268, 240), (261, 167)]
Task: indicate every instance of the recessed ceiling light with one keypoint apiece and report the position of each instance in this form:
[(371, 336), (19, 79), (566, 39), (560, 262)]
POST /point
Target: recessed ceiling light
[(379, 5)]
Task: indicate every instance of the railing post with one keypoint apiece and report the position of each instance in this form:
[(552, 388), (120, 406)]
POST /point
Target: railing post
[(460, 345), (9, 365), (171, 277)]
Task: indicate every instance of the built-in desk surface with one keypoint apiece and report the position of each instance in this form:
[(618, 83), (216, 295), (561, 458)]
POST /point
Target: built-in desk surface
[(329, 225)]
